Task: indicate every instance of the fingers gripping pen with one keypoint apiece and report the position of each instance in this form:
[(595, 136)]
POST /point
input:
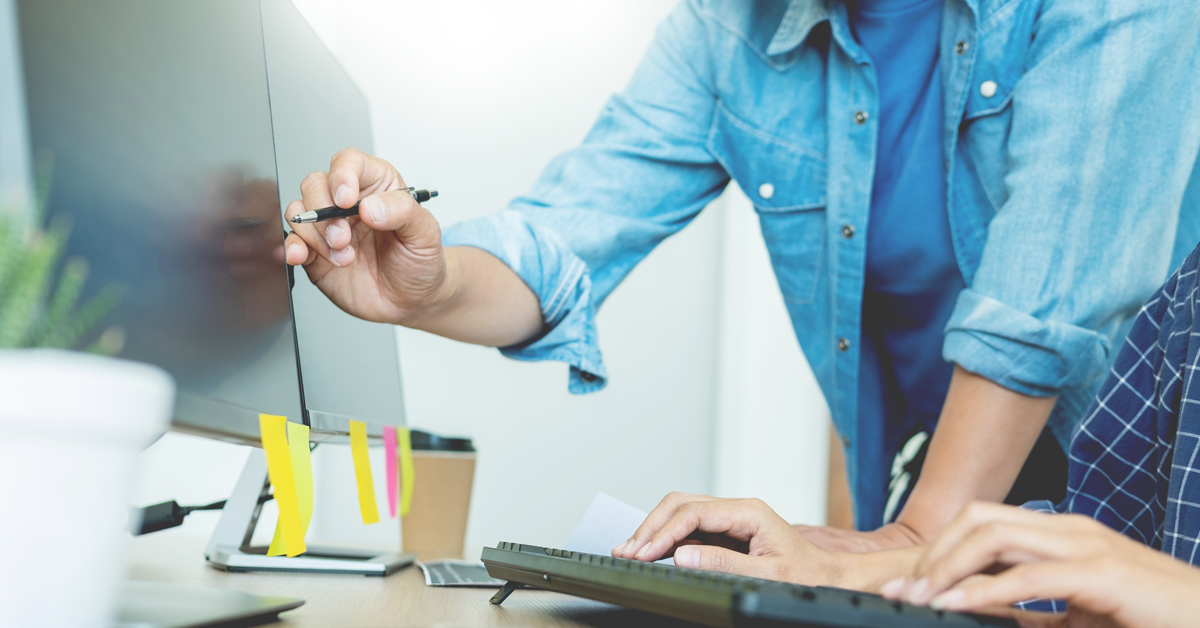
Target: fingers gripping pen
[(329, 213)]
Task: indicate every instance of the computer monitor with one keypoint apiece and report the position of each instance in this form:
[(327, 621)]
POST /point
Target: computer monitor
[(169, 126), (175, 132), (156, 122), (351, 367)]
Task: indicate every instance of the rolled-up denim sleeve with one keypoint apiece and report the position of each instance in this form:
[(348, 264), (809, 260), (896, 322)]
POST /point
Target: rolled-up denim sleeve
[(642, 173), (1101, 149), (560, 280)]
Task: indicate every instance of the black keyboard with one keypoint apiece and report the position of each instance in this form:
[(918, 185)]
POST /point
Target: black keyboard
[(708, 597)]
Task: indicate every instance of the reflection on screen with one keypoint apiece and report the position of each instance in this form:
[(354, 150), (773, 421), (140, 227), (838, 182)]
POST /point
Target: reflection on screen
[(156, 118)]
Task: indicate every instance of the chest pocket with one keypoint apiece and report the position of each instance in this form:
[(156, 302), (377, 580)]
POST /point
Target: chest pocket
[(1004, 40), (786, 183)]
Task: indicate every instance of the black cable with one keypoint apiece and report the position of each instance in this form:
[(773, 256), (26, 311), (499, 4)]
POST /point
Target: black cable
[(213, 506), (170, 514)]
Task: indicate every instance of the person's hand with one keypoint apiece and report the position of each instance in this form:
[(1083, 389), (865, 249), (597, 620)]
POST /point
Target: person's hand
[(1106, 578), (386, 264), (891, 536), (737, 536)]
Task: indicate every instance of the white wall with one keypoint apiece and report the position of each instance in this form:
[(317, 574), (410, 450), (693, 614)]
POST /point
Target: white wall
[(473, 98), (772, 424)]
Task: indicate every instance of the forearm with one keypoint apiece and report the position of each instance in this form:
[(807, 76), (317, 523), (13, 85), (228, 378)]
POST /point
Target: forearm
[(481, 301), (869, 571), (983, 437)]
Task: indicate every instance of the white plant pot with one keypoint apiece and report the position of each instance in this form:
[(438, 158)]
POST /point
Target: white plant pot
[(71, 427)]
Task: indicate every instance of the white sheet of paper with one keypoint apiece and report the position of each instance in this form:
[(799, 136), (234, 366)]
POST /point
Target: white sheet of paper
[(607, 523)]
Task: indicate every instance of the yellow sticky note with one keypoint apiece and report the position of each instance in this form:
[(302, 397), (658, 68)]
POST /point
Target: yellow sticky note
[(279, 469), (406, 470), (362, 472), (301, 457)]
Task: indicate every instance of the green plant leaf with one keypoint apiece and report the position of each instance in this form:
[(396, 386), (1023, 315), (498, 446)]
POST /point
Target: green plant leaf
[(43, 179), (110, 342), (66, 296), (27, 292), (71, 332), (30, 314), (11, 248)]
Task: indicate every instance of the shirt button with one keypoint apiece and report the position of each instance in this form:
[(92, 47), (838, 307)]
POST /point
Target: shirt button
[(960, 47), (860, 117), (847, 232), (766, 191), (846, 442), (587, 377), (987, 89), (843, 344)]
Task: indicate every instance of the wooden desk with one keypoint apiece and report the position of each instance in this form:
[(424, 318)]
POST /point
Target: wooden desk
[(401, 599)]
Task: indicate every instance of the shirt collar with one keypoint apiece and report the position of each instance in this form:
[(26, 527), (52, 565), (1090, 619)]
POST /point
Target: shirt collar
[(802, 15), (798, 21)]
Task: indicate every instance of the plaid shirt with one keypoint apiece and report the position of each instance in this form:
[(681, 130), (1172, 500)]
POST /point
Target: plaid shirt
[(1134, 457)]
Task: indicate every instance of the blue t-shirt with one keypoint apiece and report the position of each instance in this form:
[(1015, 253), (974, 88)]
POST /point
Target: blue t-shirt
[(912, 278)]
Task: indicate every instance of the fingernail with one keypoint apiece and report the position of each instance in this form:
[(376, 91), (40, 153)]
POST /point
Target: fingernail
[(340, 257), (917, 591), (952, 599), (688, 556), (892, 588), (290, 248), (643, 550), (344, 195), (374, 207), (331, 233)]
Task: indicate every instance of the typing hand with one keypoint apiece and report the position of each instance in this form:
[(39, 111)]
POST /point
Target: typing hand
[(737, 536), (1106, 578), (386, 264)]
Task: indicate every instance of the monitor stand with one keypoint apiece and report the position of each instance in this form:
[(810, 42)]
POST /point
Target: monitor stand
[(229, 549)]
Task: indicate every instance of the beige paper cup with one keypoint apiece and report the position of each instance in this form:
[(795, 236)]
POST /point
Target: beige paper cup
[(436, 525)]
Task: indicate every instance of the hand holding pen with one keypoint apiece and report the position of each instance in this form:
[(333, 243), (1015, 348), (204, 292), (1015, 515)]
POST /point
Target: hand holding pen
[(329, 213), (387, 264), (359, 223)]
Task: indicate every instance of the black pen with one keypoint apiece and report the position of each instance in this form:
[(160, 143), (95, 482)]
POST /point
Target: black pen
[(329, 213)]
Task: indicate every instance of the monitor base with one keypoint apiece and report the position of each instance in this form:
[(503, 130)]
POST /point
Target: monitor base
[(315, 560), (229, 548)]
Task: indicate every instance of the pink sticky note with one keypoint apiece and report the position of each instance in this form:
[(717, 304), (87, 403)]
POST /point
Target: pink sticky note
[(389, 449)]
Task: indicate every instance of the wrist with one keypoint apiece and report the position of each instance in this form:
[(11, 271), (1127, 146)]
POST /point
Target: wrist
[(903, 533), (439, 299), (840, 569), (870, 571)]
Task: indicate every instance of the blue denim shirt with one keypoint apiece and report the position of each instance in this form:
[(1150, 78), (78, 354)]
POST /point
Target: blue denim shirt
[(1071, 135)]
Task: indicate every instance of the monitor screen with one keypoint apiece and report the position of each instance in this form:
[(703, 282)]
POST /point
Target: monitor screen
[(350, 366), (154, 120)]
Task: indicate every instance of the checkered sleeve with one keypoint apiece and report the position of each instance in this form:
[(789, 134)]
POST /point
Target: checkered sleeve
[(1133, 455)]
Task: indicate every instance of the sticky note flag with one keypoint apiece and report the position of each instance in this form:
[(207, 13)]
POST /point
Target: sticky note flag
[(393, 473), (362, 472), (279, 468), (407, 478), (301, 456)]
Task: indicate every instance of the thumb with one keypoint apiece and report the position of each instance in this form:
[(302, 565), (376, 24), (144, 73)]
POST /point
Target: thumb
[(713, 558), (397, 211)]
